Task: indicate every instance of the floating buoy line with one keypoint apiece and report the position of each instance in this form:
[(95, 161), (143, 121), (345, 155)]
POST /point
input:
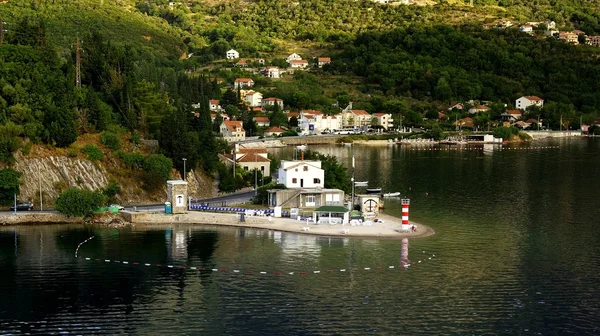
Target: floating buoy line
[(478, 149)]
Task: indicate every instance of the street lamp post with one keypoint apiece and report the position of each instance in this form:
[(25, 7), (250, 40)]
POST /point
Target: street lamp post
[(184, 159)]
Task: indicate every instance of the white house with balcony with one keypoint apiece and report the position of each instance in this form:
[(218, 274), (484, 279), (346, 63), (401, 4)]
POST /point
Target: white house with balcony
[(253, 98), (272, 71), (304, 180), (384, 120), (525, 102), (232, 54)]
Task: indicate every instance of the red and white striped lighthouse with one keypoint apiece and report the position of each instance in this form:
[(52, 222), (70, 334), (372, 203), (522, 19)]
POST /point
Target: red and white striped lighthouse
[(405, 205)]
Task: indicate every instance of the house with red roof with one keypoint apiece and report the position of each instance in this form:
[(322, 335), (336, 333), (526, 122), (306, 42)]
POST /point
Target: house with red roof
[(214, 105), (384, 120), (262, 121), (272, 101), (355, 118), (478, 108), (525, 102), (240, 83), (274, 131), (511, 115), (298, 64), (250, 159), (323, 60), (232, 130)]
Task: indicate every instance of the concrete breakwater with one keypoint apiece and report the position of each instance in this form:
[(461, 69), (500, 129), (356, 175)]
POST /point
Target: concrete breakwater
[(387, 227)]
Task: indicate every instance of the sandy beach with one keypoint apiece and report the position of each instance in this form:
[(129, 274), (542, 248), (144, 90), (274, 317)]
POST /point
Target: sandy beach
[(389, 228)]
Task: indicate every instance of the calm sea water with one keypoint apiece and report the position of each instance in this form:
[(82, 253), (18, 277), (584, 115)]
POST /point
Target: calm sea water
[(517, 252)]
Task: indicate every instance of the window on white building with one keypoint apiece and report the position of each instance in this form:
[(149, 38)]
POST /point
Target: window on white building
[(317, 181), (305, 168), (246, 168), (294, 180)]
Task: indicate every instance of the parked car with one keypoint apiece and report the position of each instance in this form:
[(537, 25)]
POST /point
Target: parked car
[(23, 206), (120, 207)]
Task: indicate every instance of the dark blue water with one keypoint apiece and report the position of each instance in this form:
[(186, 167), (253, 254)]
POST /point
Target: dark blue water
[(517, 252)]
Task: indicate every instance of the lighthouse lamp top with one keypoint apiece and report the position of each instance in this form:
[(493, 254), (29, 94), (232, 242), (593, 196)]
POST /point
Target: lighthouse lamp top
[(405, 201)]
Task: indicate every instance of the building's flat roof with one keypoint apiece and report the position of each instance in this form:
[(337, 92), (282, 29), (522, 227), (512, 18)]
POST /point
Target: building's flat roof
[(332, 208)]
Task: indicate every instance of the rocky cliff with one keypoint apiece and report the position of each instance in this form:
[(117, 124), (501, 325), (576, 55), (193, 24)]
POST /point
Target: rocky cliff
[(51, 171)]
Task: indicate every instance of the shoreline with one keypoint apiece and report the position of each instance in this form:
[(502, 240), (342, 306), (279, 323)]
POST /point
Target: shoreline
[(387, 229)]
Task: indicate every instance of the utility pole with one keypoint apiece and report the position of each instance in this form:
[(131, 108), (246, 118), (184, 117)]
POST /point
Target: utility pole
[(77, 64), (233, 165), (40, 183), (184, 172), (352, 179)]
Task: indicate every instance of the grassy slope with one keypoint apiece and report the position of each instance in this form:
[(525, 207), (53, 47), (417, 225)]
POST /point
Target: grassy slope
[(118, 20)]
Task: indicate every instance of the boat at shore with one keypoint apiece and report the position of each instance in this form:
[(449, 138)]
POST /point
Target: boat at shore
[(394, 194), (373, 190)]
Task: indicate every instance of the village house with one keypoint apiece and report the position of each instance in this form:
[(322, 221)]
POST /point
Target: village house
[(317, 123), (293, 57), (478, 108), (323, 60), (511, 115), (241, 64), (299, 64), (355, 118), (232, 54), (249, 159), (291, 115), (568, 37), (550, 24), (456, 106), (384, 120), (272, 72), (593, 40), (262, 121), (214, 105), (307, 120), (253, 98), (274, 131), (578, 32), (272, 101), (224, 116), (232, 131), (301, 174), (526, 29), (241, 83), (525, 102), (305, 181), (551, 32)]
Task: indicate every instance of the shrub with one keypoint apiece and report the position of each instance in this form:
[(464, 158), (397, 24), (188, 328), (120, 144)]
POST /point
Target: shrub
[(94, 153), (131, 160), (72, 152), (158, 168), (136, 138), (77, 202), (10, 180), (110, 140), (27, 148), (506, 133), (111, 191)]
